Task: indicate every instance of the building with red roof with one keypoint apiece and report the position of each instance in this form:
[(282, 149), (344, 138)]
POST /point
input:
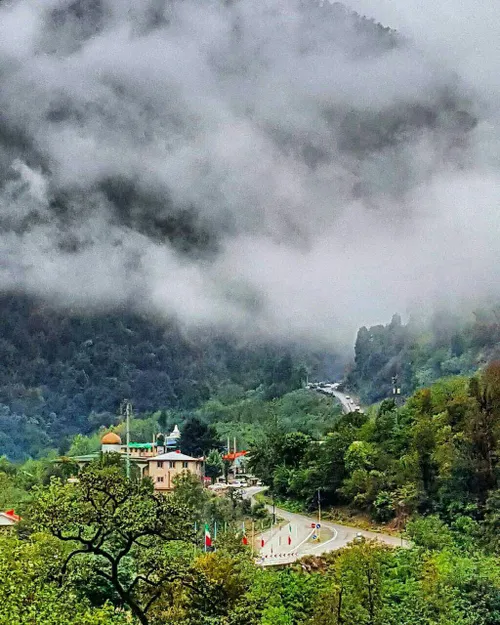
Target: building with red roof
[(231, 457), (9, 518)]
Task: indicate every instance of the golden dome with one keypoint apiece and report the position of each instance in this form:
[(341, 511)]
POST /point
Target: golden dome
[(111, 439)]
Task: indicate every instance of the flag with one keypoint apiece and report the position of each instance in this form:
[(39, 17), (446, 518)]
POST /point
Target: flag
[(262, 542), (289, 540), (208, 538), (244, 540)]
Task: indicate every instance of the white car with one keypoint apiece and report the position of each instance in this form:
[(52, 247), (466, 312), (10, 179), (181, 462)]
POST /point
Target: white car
[(237, 484)]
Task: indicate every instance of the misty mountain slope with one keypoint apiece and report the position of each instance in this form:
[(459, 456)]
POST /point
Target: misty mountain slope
[(182, 155), (64, 372), (420, 352)]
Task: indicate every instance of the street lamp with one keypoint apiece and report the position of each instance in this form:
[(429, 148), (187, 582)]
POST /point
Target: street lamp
[(319, 514)]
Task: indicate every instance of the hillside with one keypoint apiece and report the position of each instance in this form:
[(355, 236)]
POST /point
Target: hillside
[(63, 373), (186, 190), (418, 353), (437, 453)]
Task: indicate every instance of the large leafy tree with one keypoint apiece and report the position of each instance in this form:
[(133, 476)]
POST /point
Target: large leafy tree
[(118, 527), (198, 438), (30, 594), (214, 465)]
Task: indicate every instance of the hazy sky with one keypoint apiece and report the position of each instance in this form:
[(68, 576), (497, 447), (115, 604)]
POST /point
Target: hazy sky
[(274, 168)]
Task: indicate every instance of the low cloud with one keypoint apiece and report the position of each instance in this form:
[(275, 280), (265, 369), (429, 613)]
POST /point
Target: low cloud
[(279, 169)]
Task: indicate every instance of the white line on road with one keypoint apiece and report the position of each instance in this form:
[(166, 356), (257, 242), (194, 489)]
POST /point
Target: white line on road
[(335, 534), (300, 544)]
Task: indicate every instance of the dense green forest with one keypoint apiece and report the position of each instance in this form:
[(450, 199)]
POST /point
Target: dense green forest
[(420, 352), (107, 550), (65, 372), (437, 454), (231, 414)]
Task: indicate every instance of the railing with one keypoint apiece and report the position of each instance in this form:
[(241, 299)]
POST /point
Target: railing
[(276, 559)]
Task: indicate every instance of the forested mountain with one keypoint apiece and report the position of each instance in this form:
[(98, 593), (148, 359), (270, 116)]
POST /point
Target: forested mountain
[(63, 373), (418, 353), (438, 453), (139, 186)]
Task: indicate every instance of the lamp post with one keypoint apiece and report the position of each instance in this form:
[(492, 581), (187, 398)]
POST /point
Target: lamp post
[(319, 514)]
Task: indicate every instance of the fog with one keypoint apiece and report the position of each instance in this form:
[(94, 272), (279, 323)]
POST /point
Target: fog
[(276, 169)]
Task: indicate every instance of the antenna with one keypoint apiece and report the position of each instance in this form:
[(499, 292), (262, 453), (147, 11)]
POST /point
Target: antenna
[(396, 390)]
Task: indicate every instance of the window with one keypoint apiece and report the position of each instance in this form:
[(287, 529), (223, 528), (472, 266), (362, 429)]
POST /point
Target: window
[(171, 464), (159, 478), (185, 465), (159, 464)]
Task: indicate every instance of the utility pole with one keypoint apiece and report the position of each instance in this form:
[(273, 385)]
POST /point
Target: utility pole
[(128, 410), (253, 537)]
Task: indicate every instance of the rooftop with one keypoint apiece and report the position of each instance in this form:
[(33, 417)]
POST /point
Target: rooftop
[(173, 455), (111, 439), (11, 516), (235, 454)]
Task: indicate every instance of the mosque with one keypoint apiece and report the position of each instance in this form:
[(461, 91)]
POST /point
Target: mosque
[(161, 460)]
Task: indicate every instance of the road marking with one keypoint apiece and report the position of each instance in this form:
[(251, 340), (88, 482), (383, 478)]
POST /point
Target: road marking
[(300, 544), (328, 541)]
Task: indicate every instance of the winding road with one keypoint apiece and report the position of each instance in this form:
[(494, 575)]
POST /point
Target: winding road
[(293, 539), (347, 403), (295, 536)]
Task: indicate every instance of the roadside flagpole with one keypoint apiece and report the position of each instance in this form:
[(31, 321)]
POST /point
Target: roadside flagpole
[(253, 537)]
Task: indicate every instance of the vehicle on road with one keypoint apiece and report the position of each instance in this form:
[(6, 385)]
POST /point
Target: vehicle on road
[(216, 487), (237, 484), (347, 397)]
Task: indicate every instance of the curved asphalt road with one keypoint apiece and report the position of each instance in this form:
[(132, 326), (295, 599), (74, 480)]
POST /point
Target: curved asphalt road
[(348, 405), (293, 539), (297, 531)]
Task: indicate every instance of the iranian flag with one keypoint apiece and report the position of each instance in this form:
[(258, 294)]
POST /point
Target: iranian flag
[(208, 538), (244, 539)]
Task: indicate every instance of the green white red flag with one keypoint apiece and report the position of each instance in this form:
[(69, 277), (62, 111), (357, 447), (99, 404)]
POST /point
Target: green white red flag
[(244, 539), (208, 538)]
